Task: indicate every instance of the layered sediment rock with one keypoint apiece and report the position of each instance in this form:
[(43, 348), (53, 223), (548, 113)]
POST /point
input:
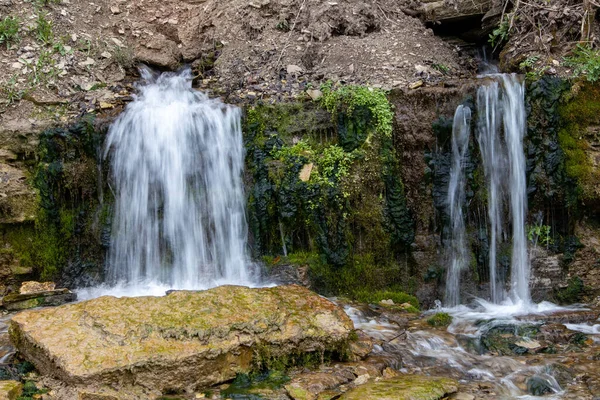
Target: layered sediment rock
[(179, 342)]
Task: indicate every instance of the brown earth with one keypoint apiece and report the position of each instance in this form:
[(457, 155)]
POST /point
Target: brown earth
[(269, 47)]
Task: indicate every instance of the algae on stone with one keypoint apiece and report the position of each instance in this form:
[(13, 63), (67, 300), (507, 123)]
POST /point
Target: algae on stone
[(186, 340), (405, 387)]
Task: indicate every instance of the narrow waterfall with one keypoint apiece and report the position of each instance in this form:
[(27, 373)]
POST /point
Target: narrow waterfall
[(500, 132), (461, 132), (176, 166), (493, 156), (513, 115)]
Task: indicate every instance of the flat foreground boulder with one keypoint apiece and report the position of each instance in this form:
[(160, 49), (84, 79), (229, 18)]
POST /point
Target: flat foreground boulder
[(404, 387), (180, 342)]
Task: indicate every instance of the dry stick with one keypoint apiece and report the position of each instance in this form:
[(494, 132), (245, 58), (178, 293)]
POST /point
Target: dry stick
[(285, 46)]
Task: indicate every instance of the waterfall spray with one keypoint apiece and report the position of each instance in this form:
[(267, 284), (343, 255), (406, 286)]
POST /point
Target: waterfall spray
[(176, 163)]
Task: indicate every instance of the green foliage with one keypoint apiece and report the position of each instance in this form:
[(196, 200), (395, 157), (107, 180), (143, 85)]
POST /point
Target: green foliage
[(31, 392), (444, 69), (540, 234), (585, 61), (501, 33), (44, 28), (66, 225), (532, 72), (10, 90), (440, 319), (572, 293), (350, 98), (9, 30), (374, 297)]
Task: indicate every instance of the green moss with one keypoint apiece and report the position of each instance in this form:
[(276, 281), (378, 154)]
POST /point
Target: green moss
[(572, 293), (66, 227), (580, 109), (366, 296), (440, 319), (350, 98), (250, 386)]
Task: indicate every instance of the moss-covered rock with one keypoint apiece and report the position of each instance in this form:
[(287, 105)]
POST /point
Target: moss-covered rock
[(10, 390), (182, 341), (405, 387)]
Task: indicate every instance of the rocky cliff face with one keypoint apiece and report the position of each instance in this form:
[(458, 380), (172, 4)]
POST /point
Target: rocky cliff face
[(326, 180)]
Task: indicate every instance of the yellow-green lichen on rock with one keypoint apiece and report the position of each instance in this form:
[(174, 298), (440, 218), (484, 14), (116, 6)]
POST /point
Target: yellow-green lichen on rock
[(405, 387), (183, 341), (10, 390)]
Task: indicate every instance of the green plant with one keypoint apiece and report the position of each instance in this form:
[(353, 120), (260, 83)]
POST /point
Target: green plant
[(9, 30), (585, 61), (501, 33), (352, 97), (539, 234), (10, 90), (444, 69), (44, 32), (440, 319)]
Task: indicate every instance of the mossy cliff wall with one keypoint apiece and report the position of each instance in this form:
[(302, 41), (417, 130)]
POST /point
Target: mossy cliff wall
[(353, 185), (63, 236), (341, 184)]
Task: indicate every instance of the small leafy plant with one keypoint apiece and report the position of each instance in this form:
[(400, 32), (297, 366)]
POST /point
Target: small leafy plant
[(44, 32), (500, 34), (585, 61), (9, 30), (540, 234)]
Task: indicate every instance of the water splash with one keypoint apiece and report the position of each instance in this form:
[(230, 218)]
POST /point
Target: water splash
[(176, 165), (456, 201)]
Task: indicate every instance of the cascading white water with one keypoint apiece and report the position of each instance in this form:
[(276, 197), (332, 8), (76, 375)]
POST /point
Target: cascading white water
[(494, 165), (176, 163), (461, 131), (500, 132), (501, 145), (513, 113)]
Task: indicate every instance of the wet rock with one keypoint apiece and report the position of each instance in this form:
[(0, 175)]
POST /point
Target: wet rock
[(556, 333), (182, 341), (404, 387), (36, 287), (539, 386), (10, 390), (309, 386), (17, 302), (360, 347), (564, 317)]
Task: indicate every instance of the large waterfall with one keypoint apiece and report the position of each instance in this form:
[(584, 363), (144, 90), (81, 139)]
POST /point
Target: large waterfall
[(176, 167), (500, 132)]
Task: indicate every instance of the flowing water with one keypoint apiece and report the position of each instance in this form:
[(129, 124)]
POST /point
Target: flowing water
[(501, 127), (461, 131), (176, 160), (458, 352)]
